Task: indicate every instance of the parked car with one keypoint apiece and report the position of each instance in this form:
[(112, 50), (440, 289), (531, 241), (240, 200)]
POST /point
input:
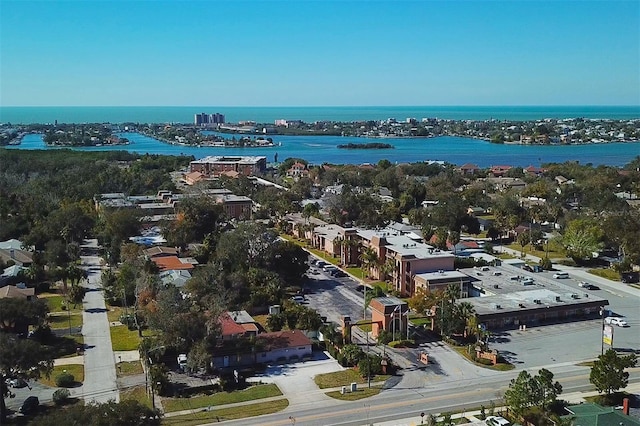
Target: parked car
[(497, 421), (527, 281), (30, 405), (620, 322), (16, 383), (298, 299), (527, 268), (339, 274), (182, 362)]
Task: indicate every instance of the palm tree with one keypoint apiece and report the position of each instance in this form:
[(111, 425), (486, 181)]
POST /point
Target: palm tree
[(368, 258), (467, 314)]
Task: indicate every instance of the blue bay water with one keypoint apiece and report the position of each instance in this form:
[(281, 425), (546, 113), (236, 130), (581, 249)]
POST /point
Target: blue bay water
[(184, 114), (323, 149)]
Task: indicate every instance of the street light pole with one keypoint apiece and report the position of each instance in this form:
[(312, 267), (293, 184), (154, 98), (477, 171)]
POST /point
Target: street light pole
[(602, 331)]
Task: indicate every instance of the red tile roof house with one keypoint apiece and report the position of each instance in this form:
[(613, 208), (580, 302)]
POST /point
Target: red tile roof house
[(269, 348), (298, 170), (499, 171), (535, 171), (168, 263), (468, 169)]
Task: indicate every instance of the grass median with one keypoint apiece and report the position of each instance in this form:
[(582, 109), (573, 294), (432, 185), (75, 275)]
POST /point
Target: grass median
[(223, 414), (361, 393), (221, 398), (345, 378)]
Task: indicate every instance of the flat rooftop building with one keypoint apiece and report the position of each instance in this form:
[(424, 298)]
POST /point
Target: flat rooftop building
[(217, 165), (505, 298)]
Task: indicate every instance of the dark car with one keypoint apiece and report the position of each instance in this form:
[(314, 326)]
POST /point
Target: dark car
[(591, 287), (30, 405)]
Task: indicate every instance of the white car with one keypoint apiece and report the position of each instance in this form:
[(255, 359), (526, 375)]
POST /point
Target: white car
[(616, 321), (561, 275), (182, 362), (298, 299), (496, 421)]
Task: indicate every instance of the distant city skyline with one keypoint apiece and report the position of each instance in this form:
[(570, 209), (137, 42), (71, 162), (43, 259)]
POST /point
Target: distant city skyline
[(312, 53)]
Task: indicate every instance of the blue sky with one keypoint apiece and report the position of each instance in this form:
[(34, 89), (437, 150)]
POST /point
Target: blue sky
[(308, 53)]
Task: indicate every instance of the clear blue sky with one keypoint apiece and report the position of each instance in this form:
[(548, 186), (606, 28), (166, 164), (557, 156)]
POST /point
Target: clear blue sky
[(307, 53)]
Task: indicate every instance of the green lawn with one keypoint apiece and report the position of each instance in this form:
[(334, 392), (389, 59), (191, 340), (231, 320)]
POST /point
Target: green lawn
[(361, 393), (344, 378), (77, 370), (609, 274), (462, 350), (65, 346), (129, 368), (123, 339), (136, 393), (55, 302), (62, 320), (418, 321), (306, 246), (223, 414), (555, 250), (221, 398), (114, 313)]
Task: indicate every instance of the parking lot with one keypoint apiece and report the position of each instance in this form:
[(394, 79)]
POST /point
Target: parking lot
[(536, 346), (574, 340), (333, 297)]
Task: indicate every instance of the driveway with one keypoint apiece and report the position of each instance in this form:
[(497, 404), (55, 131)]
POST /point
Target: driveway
[(296, 380)]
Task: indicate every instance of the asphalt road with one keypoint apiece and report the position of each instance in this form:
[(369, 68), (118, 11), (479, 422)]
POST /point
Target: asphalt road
[(401, 402), (99, 365)]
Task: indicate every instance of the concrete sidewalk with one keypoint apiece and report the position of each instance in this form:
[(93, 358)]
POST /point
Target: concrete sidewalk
[(261, 400)]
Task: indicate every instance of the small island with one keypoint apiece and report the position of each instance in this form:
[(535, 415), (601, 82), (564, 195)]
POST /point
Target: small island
[(81, 135), (373, 145)]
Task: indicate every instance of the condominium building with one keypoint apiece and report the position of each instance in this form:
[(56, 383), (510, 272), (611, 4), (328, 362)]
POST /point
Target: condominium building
[(216, 165), (204, 119)]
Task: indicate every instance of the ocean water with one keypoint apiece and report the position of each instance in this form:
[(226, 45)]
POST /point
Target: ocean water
[(184, 114), (323, 149)]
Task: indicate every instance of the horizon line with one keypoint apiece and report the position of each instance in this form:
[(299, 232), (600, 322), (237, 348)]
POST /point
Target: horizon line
[(331, 106)]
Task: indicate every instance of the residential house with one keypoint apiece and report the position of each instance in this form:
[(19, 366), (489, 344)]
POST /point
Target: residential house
[(499, 171), (279, 346), (11, 273), (17, 257), (504, 183), (167, 263), (468, 169), (160, 251), (19, 291), (175, 277), (533, 171), (246, 321), (193, 178), (11, 244), (298, 170)]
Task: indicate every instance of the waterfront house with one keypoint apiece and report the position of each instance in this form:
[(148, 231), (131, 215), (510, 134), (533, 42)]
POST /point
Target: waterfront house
[(468, 169), (499, 171)]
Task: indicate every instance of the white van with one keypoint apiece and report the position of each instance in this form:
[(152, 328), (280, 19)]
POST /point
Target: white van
[(561, 275)]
